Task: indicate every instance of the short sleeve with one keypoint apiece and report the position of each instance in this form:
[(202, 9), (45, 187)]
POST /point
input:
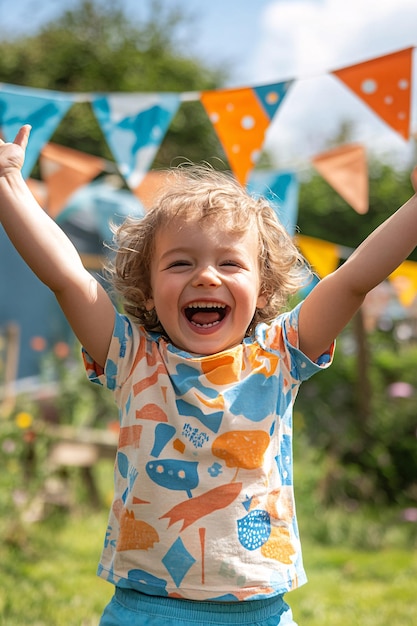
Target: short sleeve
[(123, 348), (281, 337)]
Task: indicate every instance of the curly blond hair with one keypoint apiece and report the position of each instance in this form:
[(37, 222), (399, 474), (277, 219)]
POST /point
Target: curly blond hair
[(199, 193)]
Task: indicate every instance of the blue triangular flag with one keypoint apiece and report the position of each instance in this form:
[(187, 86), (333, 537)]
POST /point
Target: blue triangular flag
[(281, 190), (271, 96), (42, 109)]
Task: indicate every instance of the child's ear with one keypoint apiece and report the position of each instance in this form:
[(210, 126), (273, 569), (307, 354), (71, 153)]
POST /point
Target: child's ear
[(262, 301)]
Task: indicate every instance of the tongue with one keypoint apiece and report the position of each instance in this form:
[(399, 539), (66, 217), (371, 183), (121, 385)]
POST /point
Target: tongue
[(205, 317)]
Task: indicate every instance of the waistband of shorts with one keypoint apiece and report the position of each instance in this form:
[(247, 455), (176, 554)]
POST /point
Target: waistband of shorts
[(247, 612)]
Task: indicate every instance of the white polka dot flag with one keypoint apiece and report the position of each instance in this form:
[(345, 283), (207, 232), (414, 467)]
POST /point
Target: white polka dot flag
[(384, 84), (241, 118)]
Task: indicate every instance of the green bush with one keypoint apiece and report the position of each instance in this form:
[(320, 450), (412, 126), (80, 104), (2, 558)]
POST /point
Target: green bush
[(365, 436)]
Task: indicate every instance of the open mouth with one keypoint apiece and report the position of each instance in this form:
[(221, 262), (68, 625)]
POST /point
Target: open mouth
[(205, 314)]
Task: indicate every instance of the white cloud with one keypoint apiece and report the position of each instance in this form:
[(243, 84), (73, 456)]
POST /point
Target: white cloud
[(305, 40), (304, 36)]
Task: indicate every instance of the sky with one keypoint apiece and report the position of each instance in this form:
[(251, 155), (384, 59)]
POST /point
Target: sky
[(267, 41)]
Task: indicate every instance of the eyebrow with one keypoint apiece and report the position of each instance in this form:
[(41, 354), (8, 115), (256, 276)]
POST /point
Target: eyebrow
[(189, 250), (175, 251)]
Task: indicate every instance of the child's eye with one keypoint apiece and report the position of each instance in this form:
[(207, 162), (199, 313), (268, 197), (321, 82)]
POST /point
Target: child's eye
[(179, 263), (231, 263)]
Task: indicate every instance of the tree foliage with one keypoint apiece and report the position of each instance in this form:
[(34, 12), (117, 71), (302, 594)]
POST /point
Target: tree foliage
[(95, 47), (371, 456)]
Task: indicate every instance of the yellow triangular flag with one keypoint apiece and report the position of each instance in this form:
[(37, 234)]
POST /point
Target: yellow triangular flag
[(404, 281), (323, 256)]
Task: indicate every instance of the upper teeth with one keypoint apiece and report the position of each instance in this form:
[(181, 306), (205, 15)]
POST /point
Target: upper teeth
[(206, 305)]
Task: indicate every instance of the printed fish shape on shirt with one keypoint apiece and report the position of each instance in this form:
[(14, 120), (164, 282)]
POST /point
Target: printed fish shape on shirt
[(174, 474)]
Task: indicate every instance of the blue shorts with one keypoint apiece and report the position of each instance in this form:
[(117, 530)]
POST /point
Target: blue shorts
[(132, 608)]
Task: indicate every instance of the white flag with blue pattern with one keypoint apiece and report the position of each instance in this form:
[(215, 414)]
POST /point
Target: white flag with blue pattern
[(135, 126)]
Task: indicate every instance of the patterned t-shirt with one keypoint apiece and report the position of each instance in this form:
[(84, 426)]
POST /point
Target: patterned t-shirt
[(203, 506)]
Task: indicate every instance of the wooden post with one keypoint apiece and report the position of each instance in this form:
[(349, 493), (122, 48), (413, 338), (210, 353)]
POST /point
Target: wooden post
[(12, 336), (363, 384)]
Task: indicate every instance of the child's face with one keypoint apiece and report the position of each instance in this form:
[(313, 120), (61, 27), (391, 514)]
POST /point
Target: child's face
[(205, 286)]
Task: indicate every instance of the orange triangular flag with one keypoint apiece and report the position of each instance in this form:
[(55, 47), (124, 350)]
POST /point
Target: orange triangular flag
[(241, 118), (64, 170), (323, 256), (404, 281), (345, 169), (152, 184), (384, 84), (240, 123)]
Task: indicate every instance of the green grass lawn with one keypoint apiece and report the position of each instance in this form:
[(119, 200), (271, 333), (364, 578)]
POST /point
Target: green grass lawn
[(50, 580), (352, 587), (362, 569)]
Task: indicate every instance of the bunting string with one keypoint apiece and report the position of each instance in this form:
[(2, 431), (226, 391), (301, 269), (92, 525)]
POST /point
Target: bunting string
[(135, 124)]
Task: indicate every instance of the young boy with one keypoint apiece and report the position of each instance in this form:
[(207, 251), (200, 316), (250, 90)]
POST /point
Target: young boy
[(205, 368)]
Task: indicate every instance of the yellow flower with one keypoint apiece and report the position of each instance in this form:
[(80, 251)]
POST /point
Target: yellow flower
[(23, 420)]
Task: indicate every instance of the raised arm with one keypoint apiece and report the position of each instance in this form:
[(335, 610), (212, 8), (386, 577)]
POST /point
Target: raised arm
[(334, 301), (51, 255)]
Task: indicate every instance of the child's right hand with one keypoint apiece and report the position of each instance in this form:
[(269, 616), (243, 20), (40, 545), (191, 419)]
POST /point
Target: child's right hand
[(12, 155)]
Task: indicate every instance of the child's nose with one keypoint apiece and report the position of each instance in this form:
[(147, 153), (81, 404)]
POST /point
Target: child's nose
[(207, 276)]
